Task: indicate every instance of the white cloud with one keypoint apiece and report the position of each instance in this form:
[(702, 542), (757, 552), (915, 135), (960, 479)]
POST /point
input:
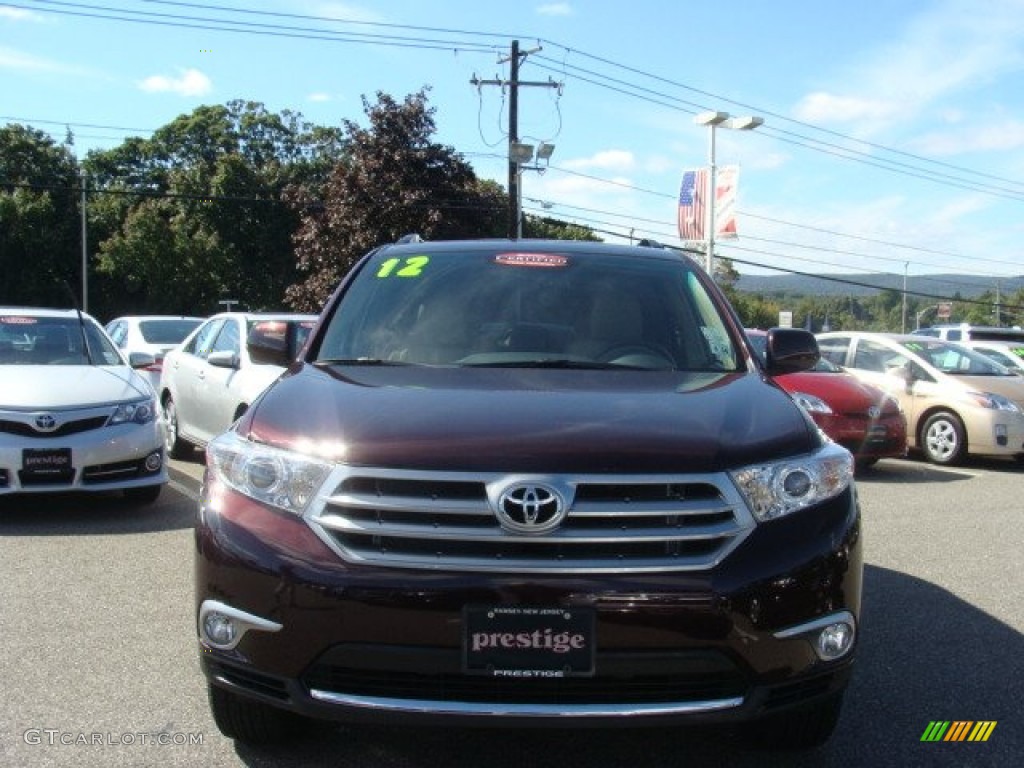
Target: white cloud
[(344, 12), (555, 9), (19, 14), (319, 96), (1000, 137), (190, 82), (12, 58), (606, 160), (821, 107), (950, 49)]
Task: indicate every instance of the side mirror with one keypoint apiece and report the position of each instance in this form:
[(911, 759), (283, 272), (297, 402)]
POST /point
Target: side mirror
[(277, 342), (790, 350), (223, 359), (141, 359)]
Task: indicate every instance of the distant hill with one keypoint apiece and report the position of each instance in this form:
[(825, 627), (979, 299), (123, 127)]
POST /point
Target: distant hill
[(944, 285)]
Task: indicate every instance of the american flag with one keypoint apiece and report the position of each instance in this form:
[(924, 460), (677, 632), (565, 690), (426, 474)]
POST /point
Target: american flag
[(691, 204)]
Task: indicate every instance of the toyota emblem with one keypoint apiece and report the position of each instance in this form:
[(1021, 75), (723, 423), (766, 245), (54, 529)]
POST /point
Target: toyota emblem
[(530, 508), (45, 422), (874, 411)]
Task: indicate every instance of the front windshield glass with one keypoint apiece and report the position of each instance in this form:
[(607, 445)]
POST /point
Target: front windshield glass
[(33, 340), (955, 359), (488, 307)]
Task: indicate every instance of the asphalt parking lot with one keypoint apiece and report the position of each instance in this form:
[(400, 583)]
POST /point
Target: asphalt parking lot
[(99, 666)]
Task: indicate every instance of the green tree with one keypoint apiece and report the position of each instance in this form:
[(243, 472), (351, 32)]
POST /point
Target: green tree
[(40, 241), (208, 188), (394, 180)]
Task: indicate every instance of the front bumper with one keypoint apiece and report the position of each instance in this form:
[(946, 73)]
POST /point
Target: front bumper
[(102, 459), (372, 644)]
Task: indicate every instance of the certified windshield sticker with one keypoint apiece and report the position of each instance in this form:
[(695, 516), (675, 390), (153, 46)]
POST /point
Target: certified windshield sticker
[(411, 266), (531, 260)]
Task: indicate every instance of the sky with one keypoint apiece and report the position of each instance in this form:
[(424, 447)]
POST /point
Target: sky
[(893, 134)]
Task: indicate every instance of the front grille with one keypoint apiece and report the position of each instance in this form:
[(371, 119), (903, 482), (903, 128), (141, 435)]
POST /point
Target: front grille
[(22, 429), (621, 678), (614, 523), (253, 681)]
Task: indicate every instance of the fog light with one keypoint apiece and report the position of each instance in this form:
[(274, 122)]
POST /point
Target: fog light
[(154, 461), (219, 629), (1001, 434), (223, 626), (834, 641)]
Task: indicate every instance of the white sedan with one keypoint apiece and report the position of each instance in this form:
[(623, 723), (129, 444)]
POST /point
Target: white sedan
[(209, 380), (74, 414)]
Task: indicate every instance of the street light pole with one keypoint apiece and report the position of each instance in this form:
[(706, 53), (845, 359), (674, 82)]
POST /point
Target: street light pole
[(905, 265), (712, 120)]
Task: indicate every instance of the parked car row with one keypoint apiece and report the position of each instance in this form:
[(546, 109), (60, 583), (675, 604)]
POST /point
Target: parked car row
[(210, 379), (862, 418), (86, 408), (957, 401)]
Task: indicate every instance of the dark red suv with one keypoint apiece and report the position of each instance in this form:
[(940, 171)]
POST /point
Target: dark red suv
[(528, 483)]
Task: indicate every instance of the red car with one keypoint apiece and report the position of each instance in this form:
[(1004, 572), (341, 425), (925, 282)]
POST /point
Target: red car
[(863, 419)]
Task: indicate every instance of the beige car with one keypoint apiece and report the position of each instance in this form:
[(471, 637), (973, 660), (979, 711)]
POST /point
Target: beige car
[(956, 400)]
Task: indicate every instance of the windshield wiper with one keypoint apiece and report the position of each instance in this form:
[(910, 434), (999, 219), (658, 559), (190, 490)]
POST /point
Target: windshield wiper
[(578, 365), (358, 361)]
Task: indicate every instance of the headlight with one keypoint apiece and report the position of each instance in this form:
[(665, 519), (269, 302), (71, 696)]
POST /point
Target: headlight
[(810, 403), (994, 401), (779, 488), (140, 412), (283, 479)]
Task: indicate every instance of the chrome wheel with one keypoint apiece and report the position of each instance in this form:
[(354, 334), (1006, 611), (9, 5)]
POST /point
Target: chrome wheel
[(944, 441)]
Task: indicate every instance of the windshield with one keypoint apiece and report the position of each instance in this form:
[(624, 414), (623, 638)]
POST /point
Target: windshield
[(32, 340), (166, 331), (955, 359), (487, 307)]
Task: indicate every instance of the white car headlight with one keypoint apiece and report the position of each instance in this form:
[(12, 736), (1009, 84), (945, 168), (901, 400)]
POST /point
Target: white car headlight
[(994, 401), (283, 479), (778, 488), (139, 412), (810, 403)]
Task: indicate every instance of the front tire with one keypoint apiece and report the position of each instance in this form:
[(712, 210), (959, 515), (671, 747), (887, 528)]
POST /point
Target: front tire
[(250, 721), (176, 447), (944, 439)]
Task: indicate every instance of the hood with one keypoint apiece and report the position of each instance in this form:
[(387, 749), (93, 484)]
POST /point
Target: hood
[(52, 387), (530, 420), (843, 392)]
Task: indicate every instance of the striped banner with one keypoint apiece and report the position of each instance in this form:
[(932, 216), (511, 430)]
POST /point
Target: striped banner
[(959, 730)]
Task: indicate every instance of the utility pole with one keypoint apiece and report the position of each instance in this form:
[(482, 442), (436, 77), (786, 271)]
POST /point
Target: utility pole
[(514, 170)]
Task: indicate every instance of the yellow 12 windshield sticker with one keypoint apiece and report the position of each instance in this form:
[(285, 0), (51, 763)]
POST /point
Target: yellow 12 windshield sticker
[(411, 266)]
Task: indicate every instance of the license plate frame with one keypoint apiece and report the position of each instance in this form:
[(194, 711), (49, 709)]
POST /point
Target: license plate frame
[(528, 642), (46, 462)]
